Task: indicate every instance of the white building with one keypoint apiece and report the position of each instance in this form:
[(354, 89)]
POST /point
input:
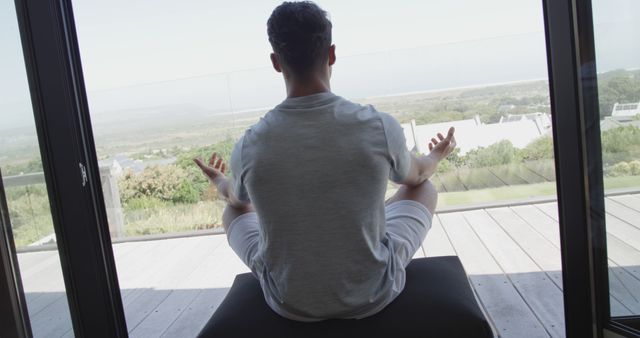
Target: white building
[(625, 111), (472, 133)]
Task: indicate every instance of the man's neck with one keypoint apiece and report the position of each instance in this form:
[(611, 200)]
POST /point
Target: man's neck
[(314, 85)]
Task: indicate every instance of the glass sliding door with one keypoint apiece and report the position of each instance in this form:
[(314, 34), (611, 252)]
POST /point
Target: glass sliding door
[(52, 179), (616, 31), (596, 95), (27, 215)]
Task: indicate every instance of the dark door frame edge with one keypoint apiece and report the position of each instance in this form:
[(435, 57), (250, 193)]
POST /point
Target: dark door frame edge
[(70, 165), (14, 317), (579, 229)]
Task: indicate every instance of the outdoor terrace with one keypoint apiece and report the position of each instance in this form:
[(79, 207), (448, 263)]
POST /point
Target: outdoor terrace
[(170, 287)]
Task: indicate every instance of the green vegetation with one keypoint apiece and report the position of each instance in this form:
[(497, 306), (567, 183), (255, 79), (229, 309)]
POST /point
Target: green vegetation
[(521, 192), (31, 166), (177, 197), (29, 213), (499, 153), (163, 217), (490, 103), (624, 169), (619, 86)]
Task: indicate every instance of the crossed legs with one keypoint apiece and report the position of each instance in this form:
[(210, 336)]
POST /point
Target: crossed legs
[(231, 213), (424, 193)]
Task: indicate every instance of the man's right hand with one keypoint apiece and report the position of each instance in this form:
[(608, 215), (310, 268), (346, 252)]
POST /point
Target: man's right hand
[(215, 170), (442, 146)]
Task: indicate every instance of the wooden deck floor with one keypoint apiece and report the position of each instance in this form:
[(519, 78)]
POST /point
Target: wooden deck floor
[(511, 254)]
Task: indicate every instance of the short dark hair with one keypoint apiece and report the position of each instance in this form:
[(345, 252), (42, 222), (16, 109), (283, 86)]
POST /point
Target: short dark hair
[(300, 33)]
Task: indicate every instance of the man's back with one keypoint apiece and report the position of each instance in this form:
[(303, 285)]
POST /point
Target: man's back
[(305, 208), (316, 169)]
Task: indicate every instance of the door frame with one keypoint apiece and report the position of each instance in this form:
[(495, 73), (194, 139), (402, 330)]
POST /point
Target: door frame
[(70, 165), (14, 317)]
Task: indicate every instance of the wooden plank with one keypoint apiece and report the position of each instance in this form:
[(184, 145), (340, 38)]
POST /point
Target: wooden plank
[(624, 255), (617, 309), (534, 285), (52, 321), (126, 253), (508, 312), (47, 259), (33, 267), (45, 286), (437, 243), (550, 209), (625, 288), (220, 271), (545, 255), (123, 249), (624, 278), (623, 230), (620, 211), (196, 314), (620, 283), (43, 282), (134, 271), (615, 224), (182, 293), (49, 312), (69, 334), (30, 260), (541, 222), (630, 201), (157, 285)]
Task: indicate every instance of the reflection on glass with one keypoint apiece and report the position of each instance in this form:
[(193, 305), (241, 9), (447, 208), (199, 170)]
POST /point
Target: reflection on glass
[(618, 62), (26, 190)]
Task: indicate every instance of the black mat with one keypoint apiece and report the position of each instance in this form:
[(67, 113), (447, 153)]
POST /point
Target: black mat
[(437, 301)]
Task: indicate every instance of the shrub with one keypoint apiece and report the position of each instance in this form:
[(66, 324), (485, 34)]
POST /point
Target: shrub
[(444, 167), (454, 160), (620, 169), (499, 153), (634, 167), (222, 148), (186, 193), (165, 183), (198, 183), (539, 149), (621, 140)]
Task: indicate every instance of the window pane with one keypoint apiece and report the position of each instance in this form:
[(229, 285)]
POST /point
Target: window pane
[(26, 190), (618, 61)]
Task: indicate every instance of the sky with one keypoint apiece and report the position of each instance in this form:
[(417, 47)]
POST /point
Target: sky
[(213, 56)]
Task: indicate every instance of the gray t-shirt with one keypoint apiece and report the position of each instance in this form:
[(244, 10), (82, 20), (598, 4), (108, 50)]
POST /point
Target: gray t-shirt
[(316, 170)]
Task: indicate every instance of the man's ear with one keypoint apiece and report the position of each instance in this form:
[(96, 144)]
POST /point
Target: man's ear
[(275, 62), (332, 55)]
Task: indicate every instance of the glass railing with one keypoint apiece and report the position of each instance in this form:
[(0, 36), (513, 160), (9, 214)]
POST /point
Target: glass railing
[(147, 134)]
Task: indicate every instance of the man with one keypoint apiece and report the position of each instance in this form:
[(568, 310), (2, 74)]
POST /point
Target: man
[(306, 209)]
